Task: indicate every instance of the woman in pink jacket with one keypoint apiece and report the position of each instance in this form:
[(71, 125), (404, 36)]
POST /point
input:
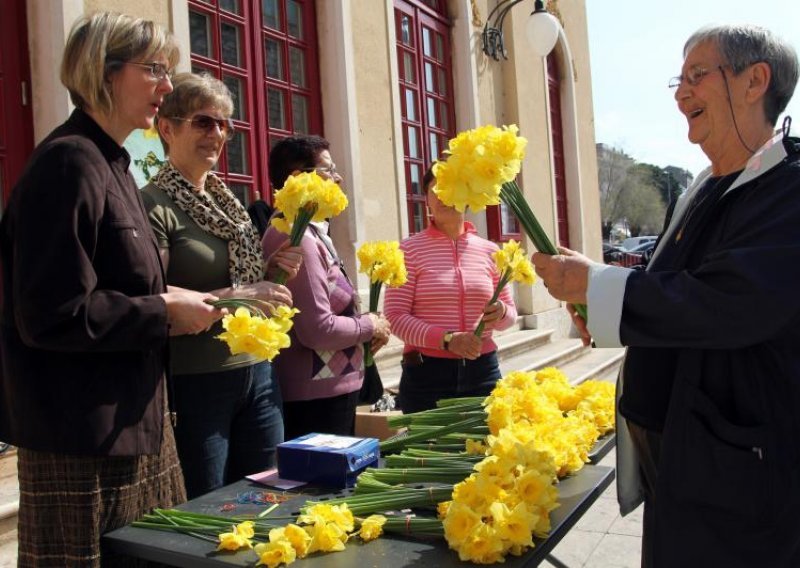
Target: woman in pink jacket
[(451, 278)]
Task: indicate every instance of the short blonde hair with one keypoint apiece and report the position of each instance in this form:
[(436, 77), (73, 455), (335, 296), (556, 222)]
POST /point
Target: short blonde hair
[(101, 44), (191, 92)]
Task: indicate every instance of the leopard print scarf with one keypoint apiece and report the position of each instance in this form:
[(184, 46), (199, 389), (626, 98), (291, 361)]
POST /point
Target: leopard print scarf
[(223, 216)]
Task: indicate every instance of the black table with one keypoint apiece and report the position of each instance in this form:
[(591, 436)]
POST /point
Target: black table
[(576, 495)]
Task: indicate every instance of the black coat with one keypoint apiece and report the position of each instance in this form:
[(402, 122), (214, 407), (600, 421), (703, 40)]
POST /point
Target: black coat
[(83, 330), (728, 316)]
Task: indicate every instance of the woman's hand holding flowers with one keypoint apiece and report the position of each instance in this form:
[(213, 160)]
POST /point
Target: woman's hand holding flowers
[(274, 294), (493, 312), (382, 331), (287, 259), (465, 344), (188, 312)]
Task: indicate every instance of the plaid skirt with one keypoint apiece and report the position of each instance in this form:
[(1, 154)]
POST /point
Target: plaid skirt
[(67, 502)]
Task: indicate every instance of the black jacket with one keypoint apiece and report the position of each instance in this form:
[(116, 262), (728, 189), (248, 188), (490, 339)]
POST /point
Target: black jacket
[(82, 328), (725, 318)]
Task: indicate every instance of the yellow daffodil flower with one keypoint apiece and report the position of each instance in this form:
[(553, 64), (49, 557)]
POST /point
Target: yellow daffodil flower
[(274, 553)]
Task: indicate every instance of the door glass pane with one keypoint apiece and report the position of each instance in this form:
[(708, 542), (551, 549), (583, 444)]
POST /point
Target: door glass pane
[(429, 78), (241, 191), (270, 15), (405, 31), (418, 221), (439, 48), (442, 82), (272, 58), (408, 68), (508, 222), (200, 34), (276, 109), (411, 105), (236, 150), (413, 142), (433, 141), (426, 42), (431, 112), (231, 44), (443, 116), (297, 66), (231, 6), (294, 19), (300, 113), (414, 177), (236, 88)]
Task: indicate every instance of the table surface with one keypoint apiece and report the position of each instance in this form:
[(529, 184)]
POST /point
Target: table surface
[(576, 495)]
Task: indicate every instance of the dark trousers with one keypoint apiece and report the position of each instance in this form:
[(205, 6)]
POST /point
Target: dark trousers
[(334, 415), (428, 379), (229, 424), (648, 450)]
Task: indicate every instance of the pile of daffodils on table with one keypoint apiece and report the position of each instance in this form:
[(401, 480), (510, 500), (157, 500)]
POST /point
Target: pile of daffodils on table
[(490, 468)]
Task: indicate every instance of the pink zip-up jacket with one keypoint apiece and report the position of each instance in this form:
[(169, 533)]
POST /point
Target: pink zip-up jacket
[(449, 284)]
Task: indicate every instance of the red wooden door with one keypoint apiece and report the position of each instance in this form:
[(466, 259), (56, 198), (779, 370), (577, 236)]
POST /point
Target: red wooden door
[(16, 136), (557, 129)]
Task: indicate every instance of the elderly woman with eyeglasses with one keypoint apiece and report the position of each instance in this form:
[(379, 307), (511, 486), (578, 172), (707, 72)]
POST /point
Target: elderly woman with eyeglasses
[(712, 372), (321, 373), (228, 407)]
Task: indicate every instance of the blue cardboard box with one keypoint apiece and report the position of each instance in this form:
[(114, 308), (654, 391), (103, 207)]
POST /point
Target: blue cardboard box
[(326, 459)]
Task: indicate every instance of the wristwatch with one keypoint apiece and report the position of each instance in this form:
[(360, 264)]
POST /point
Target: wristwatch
[(448, 337)]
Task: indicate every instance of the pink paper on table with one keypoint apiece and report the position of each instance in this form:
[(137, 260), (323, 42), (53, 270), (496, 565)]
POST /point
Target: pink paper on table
[(271, 479)]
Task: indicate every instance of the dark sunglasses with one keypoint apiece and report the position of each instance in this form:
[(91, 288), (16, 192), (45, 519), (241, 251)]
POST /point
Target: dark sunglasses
[(206, 123)]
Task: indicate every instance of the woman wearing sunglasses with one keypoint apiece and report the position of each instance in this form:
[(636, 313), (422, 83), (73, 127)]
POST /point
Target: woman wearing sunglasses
[(228, 406)]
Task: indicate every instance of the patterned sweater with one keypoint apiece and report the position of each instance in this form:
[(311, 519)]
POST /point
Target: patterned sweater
[(449, 284), (326, 355)]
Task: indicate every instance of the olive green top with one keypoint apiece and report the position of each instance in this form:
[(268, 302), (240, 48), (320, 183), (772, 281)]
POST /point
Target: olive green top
[(198, 261)]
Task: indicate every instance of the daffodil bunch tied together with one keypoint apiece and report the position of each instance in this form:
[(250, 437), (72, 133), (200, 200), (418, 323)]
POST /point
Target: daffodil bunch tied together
[(305, 197), (481, 169), (384, 263), (513, 266), (256, 327)]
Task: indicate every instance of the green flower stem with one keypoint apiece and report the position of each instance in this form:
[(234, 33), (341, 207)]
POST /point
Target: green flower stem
[(391, 500), (258, 307), (374, 298), (413, 526), (432, 434), (394, 476), (512, 196), (301, 222), (446, 412), (406, 461), (504, 279)]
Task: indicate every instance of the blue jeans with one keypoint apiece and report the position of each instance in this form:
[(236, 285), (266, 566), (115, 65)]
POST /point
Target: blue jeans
[(421, 385), (228, 425)]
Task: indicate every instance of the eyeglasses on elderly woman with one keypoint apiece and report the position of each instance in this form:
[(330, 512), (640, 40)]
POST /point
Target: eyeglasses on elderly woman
[(206, 123), (694, 76)]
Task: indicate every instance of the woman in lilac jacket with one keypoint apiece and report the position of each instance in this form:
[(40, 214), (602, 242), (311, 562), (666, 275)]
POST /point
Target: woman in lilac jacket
[(322, 371)]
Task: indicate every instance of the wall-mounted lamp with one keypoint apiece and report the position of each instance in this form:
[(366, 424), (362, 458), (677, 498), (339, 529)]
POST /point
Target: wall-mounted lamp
[(542, 30)]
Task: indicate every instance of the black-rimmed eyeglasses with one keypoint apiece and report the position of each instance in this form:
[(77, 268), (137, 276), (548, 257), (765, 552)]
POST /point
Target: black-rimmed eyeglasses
[(326, 170), (693, 76), (157, 70), (207, 123)]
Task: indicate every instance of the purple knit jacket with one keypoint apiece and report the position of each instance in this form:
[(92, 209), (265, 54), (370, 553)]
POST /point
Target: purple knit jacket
[(326, 355)]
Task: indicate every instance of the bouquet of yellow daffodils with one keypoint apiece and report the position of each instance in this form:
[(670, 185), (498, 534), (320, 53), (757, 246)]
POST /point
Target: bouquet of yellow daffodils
[(384, 263), (305, 197), (250, 330), (481, 169), (513, 266)]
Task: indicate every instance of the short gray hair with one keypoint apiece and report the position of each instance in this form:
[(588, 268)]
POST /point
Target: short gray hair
[(743, 45)]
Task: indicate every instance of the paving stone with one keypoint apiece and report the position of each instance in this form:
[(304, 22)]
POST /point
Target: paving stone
[(630, 525), (576, 548), (600, 516), (616, 551)]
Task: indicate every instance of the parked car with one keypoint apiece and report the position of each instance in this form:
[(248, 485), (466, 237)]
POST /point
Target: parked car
[(632, 242)]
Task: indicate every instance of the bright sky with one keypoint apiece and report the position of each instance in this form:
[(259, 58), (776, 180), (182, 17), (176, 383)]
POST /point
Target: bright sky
[(637, 45)]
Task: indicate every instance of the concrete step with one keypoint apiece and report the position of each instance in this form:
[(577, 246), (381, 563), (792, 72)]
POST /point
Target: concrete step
[(510, 345), (553, 354), (598, 363)]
